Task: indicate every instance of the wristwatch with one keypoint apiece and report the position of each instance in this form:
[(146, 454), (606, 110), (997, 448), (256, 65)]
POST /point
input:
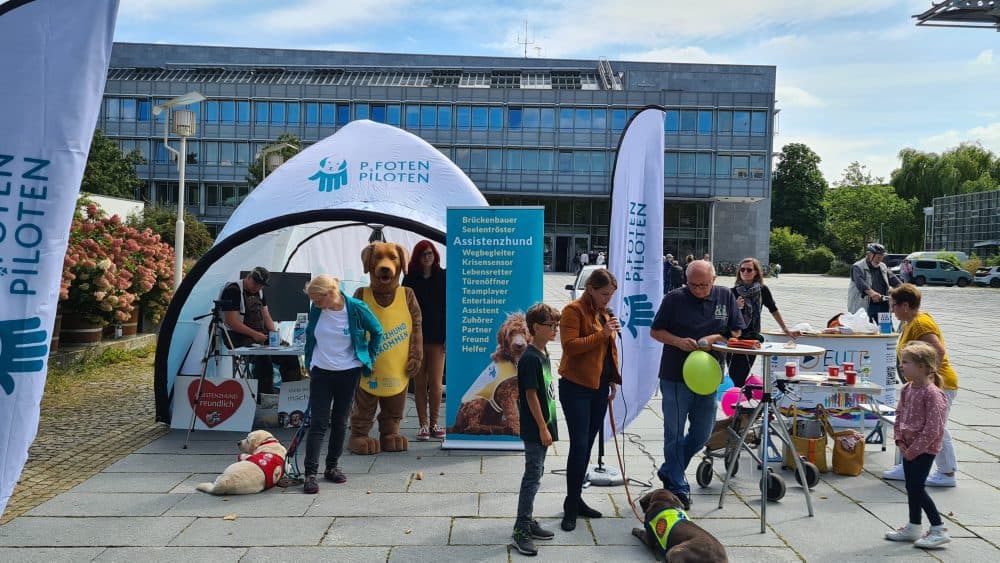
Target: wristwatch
[(703, 343)]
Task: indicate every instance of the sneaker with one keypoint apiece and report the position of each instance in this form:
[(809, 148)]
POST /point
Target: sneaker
[(310, 487), (423, 434), (894, 473), (539, 533), (335, 474), (934, 538), (909, 532), (940, 480), (522, 543), (437, 432)]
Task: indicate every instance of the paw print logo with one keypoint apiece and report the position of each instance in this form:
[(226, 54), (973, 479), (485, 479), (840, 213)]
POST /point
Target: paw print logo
[(23, 348)]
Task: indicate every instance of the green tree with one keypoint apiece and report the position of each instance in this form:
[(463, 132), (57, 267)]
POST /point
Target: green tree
[(163, 221), (787, 248), (109, 171), (797, 191), (857, 174), (861, 214), (293, 146)]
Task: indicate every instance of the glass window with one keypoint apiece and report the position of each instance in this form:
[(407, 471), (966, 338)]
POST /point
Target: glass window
[(444, 117), (412, 116), (229, 195), (618, 119), (361, 111), (599, 120), (312, 114), (703, 165), (463, 117), (685, 164), (672, 122), (227, 154), (548, 116), (723, 164), (428, 117), (211, 194), (261, 112), (741, 122), (740, 166), (513, 160), (566, 118), (479, 117), (343, 114), (242, 153), (243, 112), (112, 109), (529, 160), (757, 166), (378, 113), (530, 118), (545, 160), (393, 114), (566, 161), (211, 152), (584, 119), (688, 119), (161, 153), (725, 122), (211, 111), (227, 112), (328, 115), (670, 164), (145, 109), (581, 162), (462, 157), (704, 122), (292, 113), (278, 113), (514, 118), (494, 159), (478, 159), (128, 109), (598, 163), (496, 118), (758, 123)]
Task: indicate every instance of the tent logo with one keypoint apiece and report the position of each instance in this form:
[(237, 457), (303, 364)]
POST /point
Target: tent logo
[(331, 175)]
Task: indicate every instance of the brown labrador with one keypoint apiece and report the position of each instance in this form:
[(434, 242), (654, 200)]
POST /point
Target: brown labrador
[(687, 542)]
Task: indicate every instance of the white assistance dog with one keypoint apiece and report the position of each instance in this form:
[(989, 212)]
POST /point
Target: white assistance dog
[(261, 464)]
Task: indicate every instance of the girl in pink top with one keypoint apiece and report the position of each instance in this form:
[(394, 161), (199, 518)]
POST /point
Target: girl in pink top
[(920, 420)]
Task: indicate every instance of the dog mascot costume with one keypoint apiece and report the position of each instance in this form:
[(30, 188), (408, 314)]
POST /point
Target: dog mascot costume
[(399, 358)]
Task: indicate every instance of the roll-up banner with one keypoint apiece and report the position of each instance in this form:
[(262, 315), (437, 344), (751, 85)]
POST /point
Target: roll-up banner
[(494, 276), (635, 257), (55, 55)]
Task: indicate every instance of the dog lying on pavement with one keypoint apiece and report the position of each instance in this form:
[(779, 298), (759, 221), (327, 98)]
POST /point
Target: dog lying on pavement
[(260, 465), (671, 534)]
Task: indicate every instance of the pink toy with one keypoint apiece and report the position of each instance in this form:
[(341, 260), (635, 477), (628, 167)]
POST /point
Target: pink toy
[(729, 400), (755, 380)]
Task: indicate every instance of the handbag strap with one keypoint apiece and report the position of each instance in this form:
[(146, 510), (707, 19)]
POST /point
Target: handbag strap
[(824, 417)]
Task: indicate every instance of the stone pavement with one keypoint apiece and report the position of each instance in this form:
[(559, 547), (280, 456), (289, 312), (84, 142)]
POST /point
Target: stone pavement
[(144, 507)]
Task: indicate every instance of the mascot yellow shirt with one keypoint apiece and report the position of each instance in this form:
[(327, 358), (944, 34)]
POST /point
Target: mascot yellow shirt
[(389, 370)]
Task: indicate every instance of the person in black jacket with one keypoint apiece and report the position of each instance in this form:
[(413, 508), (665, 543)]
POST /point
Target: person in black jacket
[(426, 277)]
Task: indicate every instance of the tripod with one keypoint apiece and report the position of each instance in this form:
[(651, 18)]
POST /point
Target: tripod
[(217, 336)]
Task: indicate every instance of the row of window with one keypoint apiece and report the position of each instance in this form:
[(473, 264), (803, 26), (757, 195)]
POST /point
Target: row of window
[(442, 116), (688, 164)]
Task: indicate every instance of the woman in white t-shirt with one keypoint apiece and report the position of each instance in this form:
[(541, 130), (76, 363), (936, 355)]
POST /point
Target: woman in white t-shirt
[(342, 340)]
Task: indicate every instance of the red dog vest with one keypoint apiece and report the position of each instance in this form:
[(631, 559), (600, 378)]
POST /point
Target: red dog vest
[(273, 465)]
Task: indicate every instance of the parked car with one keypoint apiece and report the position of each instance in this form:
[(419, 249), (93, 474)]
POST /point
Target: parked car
[(989, 275), (962, 257), (576, 288), (892, 261), (939, 272)]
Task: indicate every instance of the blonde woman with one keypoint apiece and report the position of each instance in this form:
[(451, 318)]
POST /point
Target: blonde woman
[(342, 341)]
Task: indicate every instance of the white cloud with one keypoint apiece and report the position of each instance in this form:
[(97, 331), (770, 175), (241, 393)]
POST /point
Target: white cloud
[(678, 55), (987, 135), (151, 10), (795, 97), (984, 58), (309, 16)]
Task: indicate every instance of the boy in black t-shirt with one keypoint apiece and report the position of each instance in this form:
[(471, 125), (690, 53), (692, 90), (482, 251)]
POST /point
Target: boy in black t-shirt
[(537, 407)]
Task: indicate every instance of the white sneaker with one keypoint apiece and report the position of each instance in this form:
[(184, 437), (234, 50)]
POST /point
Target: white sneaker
[(934, 538), (940, 480), (909, 532), (895, 473)]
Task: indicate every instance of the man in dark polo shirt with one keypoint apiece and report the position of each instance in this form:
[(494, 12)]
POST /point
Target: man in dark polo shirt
[(690, 318)]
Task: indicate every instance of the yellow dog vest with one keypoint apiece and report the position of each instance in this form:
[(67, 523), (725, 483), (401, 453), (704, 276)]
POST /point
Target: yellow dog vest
[(389, 376), (661, 525)]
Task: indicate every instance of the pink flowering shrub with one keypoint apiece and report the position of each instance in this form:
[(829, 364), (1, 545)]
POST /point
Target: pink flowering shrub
[(110, 268)]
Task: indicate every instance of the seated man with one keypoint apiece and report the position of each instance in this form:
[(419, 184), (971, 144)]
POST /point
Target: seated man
[(248, 321)]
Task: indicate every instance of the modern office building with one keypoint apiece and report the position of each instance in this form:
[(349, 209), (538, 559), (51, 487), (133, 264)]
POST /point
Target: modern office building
[(967, 223), (526, 131)]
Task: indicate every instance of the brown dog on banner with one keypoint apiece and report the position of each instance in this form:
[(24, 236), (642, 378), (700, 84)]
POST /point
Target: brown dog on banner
[(671, 534)]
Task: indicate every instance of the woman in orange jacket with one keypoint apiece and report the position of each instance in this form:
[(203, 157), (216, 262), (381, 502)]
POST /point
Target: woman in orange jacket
[(589, 375)]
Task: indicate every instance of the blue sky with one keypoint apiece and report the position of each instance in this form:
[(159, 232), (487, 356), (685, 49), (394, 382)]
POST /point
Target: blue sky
[(857, 80)]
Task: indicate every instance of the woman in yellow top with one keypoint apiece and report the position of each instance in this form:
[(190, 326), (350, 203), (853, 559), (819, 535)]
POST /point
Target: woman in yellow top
[(904, 301)]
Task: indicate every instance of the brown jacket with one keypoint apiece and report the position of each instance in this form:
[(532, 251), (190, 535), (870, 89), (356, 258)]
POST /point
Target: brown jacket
[(583, 346)]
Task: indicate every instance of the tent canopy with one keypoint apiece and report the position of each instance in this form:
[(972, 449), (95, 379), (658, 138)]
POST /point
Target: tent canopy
[(314, 214)]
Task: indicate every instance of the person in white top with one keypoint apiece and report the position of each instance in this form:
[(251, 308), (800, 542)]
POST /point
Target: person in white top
[(342, 340)]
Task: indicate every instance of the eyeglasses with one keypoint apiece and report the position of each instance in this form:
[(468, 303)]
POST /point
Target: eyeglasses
[(748, 270), (699, 285), (553, 326)]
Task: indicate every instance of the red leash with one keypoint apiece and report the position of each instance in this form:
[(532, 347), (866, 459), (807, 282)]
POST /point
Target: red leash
[(621, 462)]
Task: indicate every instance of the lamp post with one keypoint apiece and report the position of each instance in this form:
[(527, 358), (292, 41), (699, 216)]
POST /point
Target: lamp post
[(185, 126), (274, 158)]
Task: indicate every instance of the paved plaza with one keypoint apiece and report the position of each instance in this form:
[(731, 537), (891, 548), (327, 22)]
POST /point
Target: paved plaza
[(144, 506)]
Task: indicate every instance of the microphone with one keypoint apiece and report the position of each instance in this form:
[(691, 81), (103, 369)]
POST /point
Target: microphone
[(611, 315)]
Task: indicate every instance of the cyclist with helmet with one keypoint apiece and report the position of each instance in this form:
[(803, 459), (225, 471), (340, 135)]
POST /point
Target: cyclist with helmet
[(870, 283)]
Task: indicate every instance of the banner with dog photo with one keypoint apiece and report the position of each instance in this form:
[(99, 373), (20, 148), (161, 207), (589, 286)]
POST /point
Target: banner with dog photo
[(494, 276)]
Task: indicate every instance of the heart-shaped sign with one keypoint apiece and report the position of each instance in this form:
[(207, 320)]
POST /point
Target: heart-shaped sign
[(218, 402)]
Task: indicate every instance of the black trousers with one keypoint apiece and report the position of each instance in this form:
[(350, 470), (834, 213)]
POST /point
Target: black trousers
[(739, 368), (584, 409), (329, 389), (915, 472)]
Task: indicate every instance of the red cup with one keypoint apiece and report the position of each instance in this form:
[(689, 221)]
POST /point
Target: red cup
[(850, 377), (791, 368), (848, 366), (833, 371)]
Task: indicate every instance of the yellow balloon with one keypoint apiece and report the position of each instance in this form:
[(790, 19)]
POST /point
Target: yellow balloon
[(702, 373)]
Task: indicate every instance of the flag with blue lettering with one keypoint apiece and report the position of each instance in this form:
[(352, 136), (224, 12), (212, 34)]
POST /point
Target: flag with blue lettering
[(55, 56), (635, 257)]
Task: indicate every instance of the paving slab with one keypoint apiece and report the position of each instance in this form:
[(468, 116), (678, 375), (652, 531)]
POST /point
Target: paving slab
[(171, 554), (547, 505), (94, 531), (49, 554), (172, 463), (456, 554), (131, 483), (388, 531), (107, 504), (316, 554), (395, 504), (400, 462), (264, 504), (486, 531), (244, 532)]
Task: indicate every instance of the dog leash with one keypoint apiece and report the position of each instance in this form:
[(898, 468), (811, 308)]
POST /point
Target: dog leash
[(621, 462)]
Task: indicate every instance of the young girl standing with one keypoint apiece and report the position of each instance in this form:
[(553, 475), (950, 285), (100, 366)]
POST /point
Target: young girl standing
[(920, 421)]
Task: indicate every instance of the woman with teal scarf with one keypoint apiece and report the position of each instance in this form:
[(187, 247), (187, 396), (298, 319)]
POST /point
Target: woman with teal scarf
[(752, 296)]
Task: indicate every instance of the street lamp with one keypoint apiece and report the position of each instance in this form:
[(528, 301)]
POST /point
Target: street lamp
[(274, 158), (185, 126)]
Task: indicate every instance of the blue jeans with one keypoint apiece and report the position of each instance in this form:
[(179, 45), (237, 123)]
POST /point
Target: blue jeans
[(681, 405), (326, 387), (534, 467), (584, 409)]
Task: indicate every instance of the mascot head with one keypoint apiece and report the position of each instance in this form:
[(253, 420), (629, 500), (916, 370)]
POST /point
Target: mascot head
[(384, 262)]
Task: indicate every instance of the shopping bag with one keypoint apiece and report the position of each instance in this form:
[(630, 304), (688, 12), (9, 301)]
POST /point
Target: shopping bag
[(809, 438), (848, 447)]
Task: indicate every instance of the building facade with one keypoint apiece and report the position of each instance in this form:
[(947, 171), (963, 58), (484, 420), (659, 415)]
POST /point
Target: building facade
[(967, 223), (526, 131)]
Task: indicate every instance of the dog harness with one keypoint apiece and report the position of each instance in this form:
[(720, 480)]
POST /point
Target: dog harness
[(389, 376), (273, 465), (661, 525)]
